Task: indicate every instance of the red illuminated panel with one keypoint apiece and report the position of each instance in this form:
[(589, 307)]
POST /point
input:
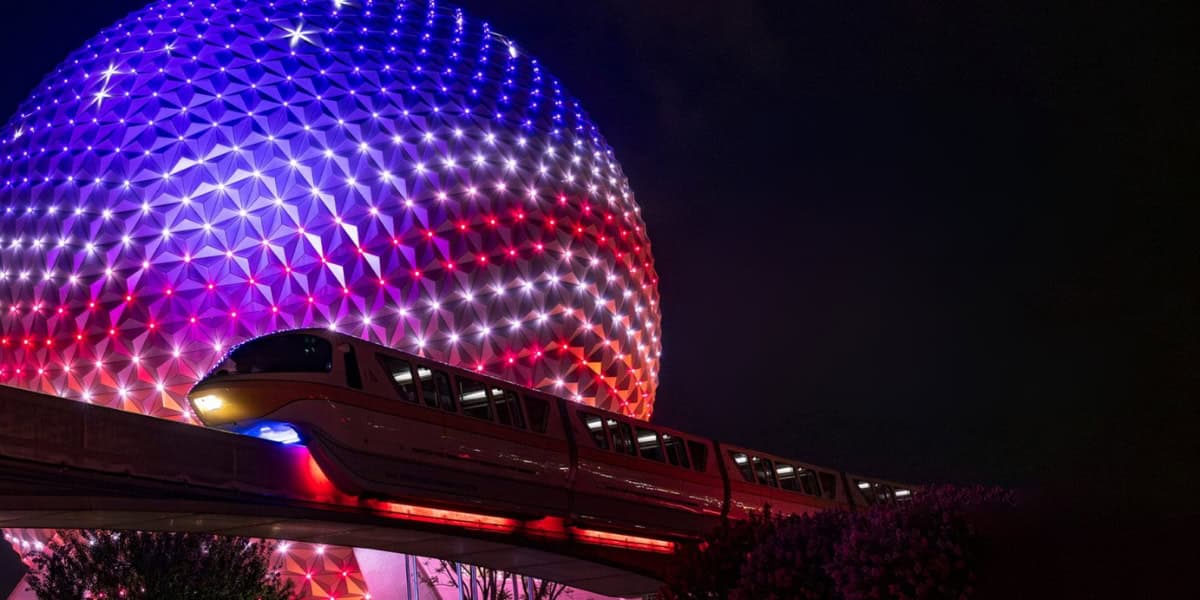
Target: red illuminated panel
[(439, 516), (621, 540)]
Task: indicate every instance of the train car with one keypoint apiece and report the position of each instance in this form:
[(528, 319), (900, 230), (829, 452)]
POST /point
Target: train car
[(865, 492), (386, 424), (392, 425), (626, 467), (757, 479)]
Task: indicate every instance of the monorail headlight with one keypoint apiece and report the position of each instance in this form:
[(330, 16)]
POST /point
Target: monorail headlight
[(282, 433), (208, 403)]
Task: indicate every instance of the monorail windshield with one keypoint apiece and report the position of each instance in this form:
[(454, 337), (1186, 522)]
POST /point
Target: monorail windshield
[(288, 353)]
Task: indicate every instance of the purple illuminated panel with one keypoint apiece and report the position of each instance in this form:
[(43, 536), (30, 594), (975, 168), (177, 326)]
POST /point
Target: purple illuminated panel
[(202, 173)]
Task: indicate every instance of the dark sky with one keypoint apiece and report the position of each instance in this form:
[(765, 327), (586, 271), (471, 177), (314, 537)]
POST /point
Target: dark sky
[(933, 243)]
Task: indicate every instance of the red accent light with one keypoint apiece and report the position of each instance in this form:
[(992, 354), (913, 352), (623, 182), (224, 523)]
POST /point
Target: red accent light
[(621, 540), (439, 516), (313, 479)]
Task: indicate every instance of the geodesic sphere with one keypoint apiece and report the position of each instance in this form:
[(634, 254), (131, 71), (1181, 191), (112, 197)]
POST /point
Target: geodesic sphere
[(203, 172)]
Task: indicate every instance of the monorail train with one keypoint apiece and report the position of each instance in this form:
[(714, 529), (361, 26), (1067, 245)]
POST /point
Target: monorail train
[(391, 425)]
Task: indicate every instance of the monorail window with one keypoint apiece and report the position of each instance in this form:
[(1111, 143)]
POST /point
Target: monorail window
[(539, 413), (874, 492), (289, 353), (743, 465), (626, 432), (699, 454), (829, 484), (648, 446), (797, 479), (473, 398), (622, 437), (763, 470), (676, 451), (885, 493), (808, 481), (435, 388), (353, 375), (400, 372), (508, 407), (596, 428), (864, 489)]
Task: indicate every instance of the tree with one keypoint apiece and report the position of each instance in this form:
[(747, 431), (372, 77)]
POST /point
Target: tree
[(792, 559), (924, 548), (712, 568), (134, 564)]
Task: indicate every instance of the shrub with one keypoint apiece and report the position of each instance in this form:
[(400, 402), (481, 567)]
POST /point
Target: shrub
[(921, 549), (183, 566)]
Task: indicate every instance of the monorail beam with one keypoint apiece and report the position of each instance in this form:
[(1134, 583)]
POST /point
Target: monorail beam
[(70, 465)]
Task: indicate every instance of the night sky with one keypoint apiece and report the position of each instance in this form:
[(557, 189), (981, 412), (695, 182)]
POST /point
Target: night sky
[(926, 243)]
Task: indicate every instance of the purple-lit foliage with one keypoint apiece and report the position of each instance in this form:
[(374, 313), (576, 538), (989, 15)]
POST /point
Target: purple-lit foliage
[(924, 548)]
